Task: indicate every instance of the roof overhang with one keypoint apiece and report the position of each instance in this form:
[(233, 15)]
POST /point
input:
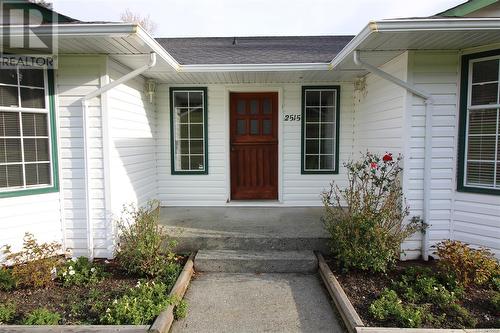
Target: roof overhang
[(393, 37)]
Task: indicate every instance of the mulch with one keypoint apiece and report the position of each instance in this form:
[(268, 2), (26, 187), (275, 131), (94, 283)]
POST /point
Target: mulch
[(362, 288)]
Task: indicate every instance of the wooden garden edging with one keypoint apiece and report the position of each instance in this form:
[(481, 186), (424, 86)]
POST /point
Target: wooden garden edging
[(354, 323), (165, 319), (160, 325)]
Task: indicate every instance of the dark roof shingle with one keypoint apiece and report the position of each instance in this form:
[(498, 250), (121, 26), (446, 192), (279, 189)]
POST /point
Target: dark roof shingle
[(254, 50)]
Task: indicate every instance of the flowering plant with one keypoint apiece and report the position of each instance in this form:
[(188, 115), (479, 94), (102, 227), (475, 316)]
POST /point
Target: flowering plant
[(80, 271), (366, 219)]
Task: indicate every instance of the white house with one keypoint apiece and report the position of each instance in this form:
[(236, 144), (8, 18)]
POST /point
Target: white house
[(126, 118)]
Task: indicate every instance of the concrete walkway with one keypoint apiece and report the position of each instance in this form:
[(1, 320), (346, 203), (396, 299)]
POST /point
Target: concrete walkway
[(224, 302)]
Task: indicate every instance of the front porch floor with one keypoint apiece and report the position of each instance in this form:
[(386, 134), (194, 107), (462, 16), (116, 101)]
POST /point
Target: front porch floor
[(246, 228)]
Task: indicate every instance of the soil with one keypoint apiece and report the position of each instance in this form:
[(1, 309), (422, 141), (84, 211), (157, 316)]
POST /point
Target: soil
[(362, 288)]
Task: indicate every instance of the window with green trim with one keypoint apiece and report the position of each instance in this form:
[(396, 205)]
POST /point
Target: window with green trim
[(188, 124), (26, 156), (320, 129), (480, 123)]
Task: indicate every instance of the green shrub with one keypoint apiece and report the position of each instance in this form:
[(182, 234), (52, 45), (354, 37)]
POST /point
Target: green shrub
[(470, 266), (7, 281), (79, 272), (495, 301), (461, 315), (390, 307), (36, 264), (139, 305), (143, 247), (181, 310), (7, 312), (42, 316), (366, 218)]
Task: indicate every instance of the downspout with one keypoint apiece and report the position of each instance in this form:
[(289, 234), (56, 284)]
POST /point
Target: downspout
[(84, 100), (427, 143)]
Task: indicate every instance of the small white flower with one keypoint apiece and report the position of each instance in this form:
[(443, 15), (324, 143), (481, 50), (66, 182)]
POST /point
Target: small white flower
[(138, 284), (92, 269), (64, 274), (108, 310), (70, 268), (115, 301), (71, 272)]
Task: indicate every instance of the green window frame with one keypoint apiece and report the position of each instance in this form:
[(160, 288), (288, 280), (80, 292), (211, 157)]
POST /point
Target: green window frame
[(188, 131), (479, 124), (320, 127), (32, 143)]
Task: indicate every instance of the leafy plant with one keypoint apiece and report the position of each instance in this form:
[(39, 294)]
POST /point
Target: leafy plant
[(42, 316), (470, 266), (140, 305), (35, 265), (181, 309), (143, 248), (7, 281), (461, 315), (7, 312), (80, 271), (366, 219), (390, 307), (495, 302)]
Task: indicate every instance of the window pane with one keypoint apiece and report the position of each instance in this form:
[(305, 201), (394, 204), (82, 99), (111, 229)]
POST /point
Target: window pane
[(327, 114), (312, 115), (480, 173), (240, 108), (241, 127), (42, 149), (182, 162), (31, 77), (180, 99), (266, 106), (3, 176), (197, 163), (182, 115), (312, 131), (312, 98), (481, 148), (482, 121), (326, 146), (254, 106), (30, 150), (267, 127), (196, 131), (8, 76), (312, 147), (196, 146), (254, 127), (326, 162), (32, 98), (484, 94), (182, 146), (35, 124), (195, 99), (14, 175), (10, 150), (196, 115), (312, 162), (485, 71), (327, 98), (8, 96), (9, 124), (327, 131)]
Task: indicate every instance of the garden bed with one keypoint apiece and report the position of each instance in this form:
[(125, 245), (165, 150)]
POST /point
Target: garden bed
[(364, 288)]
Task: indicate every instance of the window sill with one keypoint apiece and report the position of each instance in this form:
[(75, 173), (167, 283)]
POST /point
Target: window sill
[(30, 191), (478, 190), (319, 172)]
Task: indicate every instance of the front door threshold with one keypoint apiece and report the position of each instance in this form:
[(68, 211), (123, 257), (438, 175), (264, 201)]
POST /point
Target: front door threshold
[(254, 203)]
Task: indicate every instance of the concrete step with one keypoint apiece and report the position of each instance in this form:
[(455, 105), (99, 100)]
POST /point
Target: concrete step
[(231, 261), (187, 242)]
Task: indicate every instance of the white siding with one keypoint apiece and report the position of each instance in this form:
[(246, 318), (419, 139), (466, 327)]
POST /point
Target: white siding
[(37, 214), (472, 218), (77, 76), (213, 189), (132, 133)]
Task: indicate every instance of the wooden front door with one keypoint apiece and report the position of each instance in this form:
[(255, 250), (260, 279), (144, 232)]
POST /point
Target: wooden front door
[(254, 146)]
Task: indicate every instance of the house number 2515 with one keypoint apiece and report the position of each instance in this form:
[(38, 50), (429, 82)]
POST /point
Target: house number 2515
[(292, 117)]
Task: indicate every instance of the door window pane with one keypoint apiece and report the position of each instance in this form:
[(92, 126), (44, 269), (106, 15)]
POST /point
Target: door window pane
[(267, 127), (254, 127), (266, 106)]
